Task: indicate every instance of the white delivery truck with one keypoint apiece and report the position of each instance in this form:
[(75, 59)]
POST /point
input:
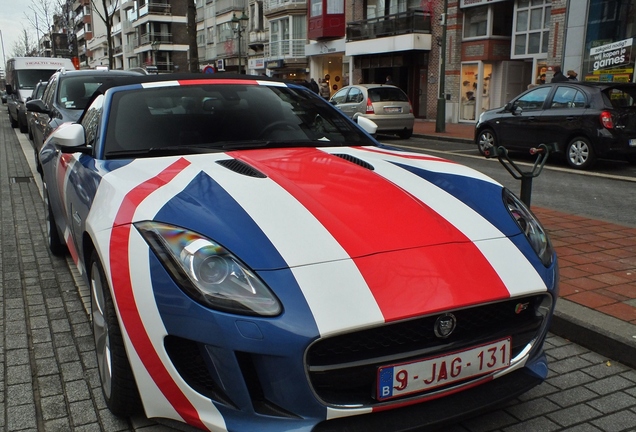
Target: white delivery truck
[(23, 74)]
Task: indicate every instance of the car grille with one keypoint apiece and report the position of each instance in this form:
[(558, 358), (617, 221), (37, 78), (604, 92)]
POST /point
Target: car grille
[(342, 369)]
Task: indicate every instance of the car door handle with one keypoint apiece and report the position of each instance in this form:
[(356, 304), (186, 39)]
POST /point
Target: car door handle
[(570, 118)]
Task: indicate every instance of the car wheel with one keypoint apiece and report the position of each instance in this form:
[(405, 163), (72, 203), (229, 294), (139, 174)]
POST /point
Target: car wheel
[(118, 383), (485, 140), (579, 153), (55, 243), (406, 133)]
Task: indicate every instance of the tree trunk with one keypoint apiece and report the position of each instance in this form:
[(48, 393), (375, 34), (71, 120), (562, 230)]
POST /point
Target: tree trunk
[(193, 51)]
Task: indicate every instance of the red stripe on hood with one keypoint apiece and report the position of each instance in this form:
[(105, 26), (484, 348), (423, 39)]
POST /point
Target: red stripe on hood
[(123, 290), (386, 230)]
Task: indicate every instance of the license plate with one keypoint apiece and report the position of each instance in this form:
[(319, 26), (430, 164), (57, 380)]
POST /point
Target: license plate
[(632, 142), (420, 375), (393, 110)]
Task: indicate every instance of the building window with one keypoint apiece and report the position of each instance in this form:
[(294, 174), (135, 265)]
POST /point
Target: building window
[(316, 8), (487, 21), (225, 31), (210, 36), (381, 8), (476, 22), (531, 28)]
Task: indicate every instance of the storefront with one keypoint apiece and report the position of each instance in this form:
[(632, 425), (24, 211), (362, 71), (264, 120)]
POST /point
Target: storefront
[(475, 89), (327, 61), (608, 41)]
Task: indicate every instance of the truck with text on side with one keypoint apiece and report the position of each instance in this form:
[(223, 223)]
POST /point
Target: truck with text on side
[(23, 74)]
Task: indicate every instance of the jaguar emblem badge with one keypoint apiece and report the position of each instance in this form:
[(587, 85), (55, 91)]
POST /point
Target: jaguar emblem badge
[(445, 325)]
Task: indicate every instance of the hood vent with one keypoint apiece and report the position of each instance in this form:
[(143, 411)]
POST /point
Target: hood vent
[(241, 167), (356, 161)]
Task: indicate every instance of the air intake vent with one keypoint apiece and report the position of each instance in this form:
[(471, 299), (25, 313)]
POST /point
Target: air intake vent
[(356, 161), (241, 168)]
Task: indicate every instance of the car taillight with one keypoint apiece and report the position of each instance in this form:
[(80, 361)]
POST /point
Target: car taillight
[(606, 120), (410, 107), (370, 109)]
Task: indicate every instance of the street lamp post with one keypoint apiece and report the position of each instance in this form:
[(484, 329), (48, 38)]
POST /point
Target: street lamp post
[(440, 121), (155, 48), (239, 24)]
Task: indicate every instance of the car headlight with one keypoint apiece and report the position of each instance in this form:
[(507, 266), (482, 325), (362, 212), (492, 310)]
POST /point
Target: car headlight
[(209, 273), (530, 226)]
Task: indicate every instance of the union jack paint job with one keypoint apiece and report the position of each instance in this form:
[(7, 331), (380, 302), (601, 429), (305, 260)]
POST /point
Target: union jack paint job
[(342, 247)]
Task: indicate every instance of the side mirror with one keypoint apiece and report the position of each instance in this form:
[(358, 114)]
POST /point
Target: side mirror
[(367, 125), (70, 135), (36, 105)]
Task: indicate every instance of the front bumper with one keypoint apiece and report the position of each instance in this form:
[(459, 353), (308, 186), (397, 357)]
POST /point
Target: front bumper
[(439, 412)]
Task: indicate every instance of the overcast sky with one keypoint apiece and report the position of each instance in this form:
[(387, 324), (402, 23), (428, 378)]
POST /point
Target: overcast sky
[(12, 19)]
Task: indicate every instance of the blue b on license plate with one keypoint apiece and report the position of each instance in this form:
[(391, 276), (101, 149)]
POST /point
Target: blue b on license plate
[(421, 375)]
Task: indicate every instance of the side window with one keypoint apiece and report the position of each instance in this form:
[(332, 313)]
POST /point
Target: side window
[(579, 100), (91, 120), (355, 95), (49, 93), (567, 97), (341, 96), (534, 99)]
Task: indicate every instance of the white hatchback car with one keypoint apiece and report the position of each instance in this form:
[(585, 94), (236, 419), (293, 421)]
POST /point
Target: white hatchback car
[(386, 105)]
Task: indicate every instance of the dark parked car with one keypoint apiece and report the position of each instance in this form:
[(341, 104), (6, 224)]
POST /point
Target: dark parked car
[(67, 94), (3, 95), (34, 118), (586, 121)]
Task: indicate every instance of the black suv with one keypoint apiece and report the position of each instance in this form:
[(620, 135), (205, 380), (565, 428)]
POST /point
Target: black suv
[(67, 94), (585, 121)]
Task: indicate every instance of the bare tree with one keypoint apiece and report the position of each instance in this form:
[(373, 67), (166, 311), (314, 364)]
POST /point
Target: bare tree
[(45, 14), (192, 37), (23, 47), (106, 13)]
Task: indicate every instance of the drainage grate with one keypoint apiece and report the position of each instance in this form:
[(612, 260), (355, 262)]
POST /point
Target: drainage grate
[(21, 179)]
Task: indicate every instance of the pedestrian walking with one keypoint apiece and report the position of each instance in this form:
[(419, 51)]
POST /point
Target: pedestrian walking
[(314, 86), (558, 75), (324, 89), (388, 80), (572, 75)]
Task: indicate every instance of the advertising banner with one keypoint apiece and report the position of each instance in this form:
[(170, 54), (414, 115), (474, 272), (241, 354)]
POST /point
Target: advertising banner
[(611, 56)]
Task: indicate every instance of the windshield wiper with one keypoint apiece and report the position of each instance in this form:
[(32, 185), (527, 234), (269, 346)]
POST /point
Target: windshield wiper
[(165, 151)]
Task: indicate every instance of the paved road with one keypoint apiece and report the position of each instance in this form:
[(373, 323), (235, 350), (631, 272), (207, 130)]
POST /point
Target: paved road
[(604, 193), (49, 377)]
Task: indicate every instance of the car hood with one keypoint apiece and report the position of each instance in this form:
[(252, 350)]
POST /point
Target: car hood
[(401, 232), (318, 205)]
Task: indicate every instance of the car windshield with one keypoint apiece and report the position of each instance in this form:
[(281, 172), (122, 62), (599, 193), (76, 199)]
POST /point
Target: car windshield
[(28, 78), (75, 92), (223, 116)]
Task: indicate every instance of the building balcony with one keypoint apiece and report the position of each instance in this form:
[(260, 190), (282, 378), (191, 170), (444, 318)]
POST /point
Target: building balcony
[(389, 25), (258, 38), (127, 27), (118, 50), (149, 38), (281, 7), (127, 4), (285, 49), (116, 28), (155, 8), (225, 6)]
